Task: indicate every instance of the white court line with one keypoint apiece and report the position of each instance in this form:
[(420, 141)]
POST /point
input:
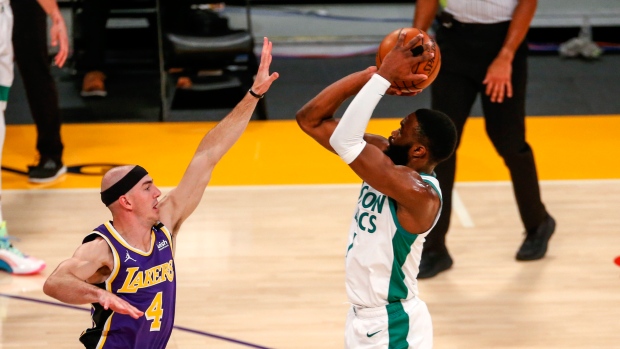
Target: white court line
[(461, 211)]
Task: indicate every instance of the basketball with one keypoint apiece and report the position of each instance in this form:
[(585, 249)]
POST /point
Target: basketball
[(429, 68)]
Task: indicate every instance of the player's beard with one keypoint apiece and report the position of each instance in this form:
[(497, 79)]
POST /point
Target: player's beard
[(398, 153)]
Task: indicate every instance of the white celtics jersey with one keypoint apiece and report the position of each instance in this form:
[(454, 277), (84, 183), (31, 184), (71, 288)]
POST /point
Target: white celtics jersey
[(382, 258), (6, 49)]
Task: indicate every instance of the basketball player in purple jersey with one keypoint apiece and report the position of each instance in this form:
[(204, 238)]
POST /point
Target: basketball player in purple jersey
[(125, 267)]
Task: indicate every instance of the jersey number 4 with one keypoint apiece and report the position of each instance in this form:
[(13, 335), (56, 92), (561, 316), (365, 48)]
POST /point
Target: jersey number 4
[(155, 312)]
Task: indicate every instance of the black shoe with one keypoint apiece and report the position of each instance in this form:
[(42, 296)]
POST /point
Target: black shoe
[(46, 171), (535, 245), (433, 263)]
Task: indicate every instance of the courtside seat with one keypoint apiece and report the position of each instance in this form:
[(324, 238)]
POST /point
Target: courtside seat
[(213, 61), (203, 52)]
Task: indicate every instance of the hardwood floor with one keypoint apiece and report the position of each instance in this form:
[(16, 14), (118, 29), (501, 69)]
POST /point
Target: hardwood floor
[(262, 267)]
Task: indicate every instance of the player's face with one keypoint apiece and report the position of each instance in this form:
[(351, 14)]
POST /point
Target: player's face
[(401, 142), (404, 134), (146, 199)]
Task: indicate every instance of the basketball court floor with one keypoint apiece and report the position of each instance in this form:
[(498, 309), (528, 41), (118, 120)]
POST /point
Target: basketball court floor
[(260, 264)]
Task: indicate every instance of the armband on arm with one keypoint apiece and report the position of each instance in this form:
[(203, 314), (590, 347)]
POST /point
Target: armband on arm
[(348, 137)]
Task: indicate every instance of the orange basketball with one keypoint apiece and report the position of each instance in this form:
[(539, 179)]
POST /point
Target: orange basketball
[(429, 68)]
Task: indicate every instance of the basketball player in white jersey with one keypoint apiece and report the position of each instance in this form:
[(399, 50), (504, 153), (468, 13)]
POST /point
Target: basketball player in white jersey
[(399, 201)]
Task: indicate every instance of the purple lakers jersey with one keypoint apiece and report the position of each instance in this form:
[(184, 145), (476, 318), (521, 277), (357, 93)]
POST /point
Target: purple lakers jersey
[(145, 279)]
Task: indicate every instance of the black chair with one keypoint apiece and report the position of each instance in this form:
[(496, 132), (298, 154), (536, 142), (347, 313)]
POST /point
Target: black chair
[(122, 38), (197, 43), (131, 32)]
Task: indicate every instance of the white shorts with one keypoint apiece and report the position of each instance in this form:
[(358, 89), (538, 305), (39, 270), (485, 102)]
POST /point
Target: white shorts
[(405, 325), (6, 48)]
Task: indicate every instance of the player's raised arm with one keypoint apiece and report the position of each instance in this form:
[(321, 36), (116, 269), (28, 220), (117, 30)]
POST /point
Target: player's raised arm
[(393, 168), (369, 162), (184, 199), (316, 118)]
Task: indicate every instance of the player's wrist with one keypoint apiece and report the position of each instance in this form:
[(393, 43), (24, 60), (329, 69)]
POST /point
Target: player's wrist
[(366, 73), (387, 73), (380, 80), (98, 293), (255, 94)]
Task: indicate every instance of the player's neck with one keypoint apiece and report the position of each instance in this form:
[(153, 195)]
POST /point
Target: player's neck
[(426, 168), (136, 233)]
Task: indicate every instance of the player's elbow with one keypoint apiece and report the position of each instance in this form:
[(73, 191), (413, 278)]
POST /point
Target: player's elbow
[(300, 121), (309, 117), (334, 141), (304, 124), (339, 141), (49, 287), (301, 118)]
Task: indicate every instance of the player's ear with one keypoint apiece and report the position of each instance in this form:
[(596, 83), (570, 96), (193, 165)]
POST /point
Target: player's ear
[(124, 201), (418, 151)]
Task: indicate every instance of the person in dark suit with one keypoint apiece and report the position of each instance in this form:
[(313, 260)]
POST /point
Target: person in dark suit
[(484, 53), (31, 56)]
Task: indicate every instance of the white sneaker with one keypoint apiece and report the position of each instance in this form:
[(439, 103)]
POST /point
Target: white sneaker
[(13, 260)]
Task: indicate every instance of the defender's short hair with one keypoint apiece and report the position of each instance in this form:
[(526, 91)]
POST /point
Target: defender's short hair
[(439, 131)]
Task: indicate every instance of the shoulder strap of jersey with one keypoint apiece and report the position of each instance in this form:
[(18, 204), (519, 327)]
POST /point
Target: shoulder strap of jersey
[(164, 229), (433, 182)]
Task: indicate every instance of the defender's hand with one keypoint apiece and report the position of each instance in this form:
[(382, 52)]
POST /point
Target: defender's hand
[(110, 301), (263, 79)]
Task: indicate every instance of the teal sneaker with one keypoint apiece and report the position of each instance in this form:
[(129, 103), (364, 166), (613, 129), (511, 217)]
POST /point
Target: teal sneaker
[(13, 260)]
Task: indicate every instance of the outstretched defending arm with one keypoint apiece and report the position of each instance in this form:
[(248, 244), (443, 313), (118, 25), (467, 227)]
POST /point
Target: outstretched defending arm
[(184, 199)]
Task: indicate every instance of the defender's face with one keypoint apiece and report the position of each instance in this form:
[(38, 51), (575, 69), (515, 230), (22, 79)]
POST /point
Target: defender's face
[(145, 195)]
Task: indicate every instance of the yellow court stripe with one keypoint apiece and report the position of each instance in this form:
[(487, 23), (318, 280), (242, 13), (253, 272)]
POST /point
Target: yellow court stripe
[(278, 152)]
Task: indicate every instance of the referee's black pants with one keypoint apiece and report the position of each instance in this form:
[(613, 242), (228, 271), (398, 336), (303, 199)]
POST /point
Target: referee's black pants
[(467, 51), (30, 47)]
